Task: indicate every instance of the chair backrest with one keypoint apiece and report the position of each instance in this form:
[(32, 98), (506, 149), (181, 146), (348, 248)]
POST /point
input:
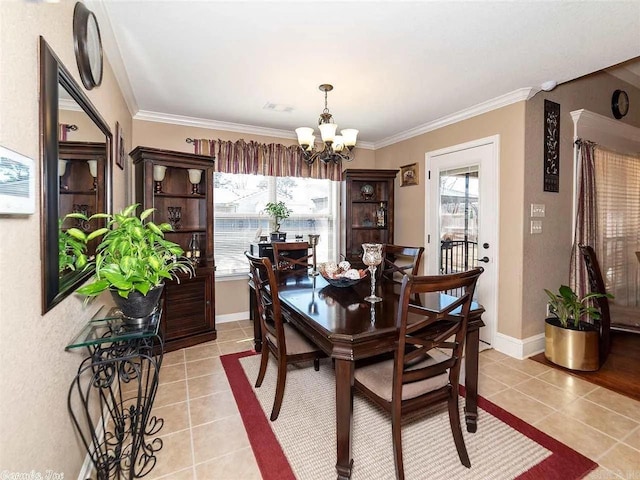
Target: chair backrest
[(596, 285), (398, 261), (291, 255), (422, 330), (267, 300)]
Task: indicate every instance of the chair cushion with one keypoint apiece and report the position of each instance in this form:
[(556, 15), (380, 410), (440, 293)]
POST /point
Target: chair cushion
[(378, 378), (624, 316), (296, 342)]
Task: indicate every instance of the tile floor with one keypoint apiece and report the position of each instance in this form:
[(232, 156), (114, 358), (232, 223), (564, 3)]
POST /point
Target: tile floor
[(204, 437)]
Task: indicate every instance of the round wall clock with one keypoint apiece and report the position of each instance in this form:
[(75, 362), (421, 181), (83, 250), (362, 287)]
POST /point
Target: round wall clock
[(88, 46), (619, 103)]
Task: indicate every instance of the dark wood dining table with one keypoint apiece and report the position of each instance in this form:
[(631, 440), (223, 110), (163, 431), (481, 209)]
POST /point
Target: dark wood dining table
[(348, 329)]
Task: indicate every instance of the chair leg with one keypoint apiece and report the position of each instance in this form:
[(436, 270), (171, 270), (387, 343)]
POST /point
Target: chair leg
[(282, 379), (396, 432), (264, 360), (316, 364), (454, 420)]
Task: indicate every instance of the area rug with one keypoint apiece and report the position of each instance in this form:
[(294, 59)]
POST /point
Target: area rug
[(301, 443)]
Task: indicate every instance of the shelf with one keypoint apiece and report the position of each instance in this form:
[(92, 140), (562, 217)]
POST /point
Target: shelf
[(199, 196), (368, 228), (78, 192), (370, 201)]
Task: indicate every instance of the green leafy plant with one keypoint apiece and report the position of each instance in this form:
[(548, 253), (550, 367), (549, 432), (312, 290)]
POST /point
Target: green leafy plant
[(133, 255), (71, 247), (566, 306), (278, 211)]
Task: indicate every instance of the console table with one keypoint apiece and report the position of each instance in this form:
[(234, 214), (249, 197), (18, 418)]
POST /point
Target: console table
[(111, 397)]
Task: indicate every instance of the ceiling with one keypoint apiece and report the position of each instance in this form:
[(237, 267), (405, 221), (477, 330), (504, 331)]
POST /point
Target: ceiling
[(397, 67)]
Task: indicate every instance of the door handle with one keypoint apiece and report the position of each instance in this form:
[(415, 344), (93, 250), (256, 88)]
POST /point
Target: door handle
[(484, 259)]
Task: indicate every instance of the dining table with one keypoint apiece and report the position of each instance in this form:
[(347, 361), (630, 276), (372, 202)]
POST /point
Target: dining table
[(349, 329)]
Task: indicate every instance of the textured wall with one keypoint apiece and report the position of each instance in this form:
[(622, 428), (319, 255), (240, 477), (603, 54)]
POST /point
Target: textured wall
[(35, 371)]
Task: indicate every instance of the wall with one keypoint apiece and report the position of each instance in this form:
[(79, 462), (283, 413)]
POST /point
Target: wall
[(232, 295), (552, 248), (35, 371), (508, 122)]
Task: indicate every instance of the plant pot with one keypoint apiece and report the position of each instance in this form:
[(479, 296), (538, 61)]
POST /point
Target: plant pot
[(278, 236), (137, 308), (572, 348)]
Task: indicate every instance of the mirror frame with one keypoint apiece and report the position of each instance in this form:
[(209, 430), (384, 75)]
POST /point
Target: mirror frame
[(52, 74)]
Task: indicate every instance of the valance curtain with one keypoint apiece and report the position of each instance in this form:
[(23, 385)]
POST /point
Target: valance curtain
[(272, 159), (586, 216)]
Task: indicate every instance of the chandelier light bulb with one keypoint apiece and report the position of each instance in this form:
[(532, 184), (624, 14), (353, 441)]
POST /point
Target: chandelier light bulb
[(328, 131), (350, 136)]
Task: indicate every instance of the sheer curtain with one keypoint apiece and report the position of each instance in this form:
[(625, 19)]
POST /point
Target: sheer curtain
[(618, 219)]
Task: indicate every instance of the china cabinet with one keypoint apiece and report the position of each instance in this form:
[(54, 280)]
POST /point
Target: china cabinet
[(367, 209), (179, 186)]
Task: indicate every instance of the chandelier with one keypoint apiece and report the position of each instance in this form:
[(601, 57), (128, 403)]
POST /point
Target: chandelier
[(335, 148)]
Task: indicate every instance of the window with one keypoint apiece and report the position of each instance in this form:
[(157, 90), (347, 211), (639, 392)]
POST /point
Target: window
[(238, 219)]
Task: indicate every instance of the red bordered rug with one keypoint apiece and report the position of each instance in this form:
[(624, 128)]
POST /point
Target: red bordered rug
[(505, 446)]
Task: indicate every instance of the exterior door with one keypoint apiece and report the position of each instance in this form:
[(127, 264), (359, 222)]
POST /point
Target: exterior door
[(462, 218)]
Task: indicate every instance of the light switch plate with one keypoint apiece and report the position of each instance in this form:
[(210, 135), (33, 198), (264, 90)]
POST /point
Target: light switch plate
[(537, 209), (536, 226)]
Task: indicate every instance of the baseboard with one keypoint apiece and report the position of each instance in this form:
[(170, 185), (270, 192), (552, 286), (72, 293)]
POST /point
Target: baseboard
[(517, 348), (232, 317)]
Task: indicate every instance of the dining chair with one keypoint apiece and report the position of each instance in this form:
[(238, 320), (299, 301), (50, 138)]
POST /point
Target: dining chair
[(425, 369), (290, 256), (612, 316), (280, 339), (399, 260)]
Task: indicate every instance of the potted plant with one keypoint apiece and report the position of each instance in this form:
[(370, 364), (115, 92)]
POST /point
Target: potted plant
[(71, 250), (278, 211), (132, 260), (569, 341)]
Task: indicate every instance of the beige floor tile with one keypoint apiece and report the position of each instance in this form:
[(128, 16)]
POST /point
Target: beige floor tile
[(504, 374), (600, 418), (236, 465), (487, 386), (586, 440), (172, 358), (169, 393), (200, 352), (218, 438), (246, 324), (236, 346), (633, 440), (546, 393), (616, 402), (527, 366), (172, 373), (174, 456), (207, 366), (493, 355), (602, 473), (568, 382), (207, 384), (187, 474), (248, 331), (212, 407), (221, 327), (175, 416), (232, 335), (622, 460), (521, 405)]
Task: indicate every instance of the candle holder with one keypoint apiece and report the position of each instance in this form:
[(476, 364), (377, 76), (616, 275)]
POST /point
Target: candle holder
[(93, 170), (159, 172), (313, 242), (195, 176), (372, 257), (62, 168)]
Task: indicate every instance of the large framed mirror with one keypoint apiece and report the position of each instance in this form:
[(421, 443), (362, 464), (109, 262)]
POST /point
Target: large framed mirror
[(76, 172)]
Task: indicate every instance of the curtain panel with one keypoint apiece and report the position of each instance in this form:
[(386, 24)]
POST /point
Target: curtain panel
[(272, 159)]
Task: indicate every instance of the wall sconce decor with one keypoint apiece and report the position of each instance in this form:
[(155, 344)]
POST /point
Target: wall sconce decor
[(551, 146), (174, 216)]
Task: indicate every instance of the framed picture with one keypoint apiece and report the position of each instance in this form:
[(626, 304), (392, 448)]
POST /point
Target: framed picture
[(409, 175), (17, 183), (119, 147)]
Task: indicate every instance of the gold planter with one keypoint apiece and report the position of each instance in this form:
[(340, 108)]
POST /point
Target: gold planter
[(572, 349)]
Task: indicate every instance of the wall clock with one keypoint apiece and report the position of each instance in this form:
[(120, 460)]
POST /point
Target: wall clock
[(87, 45), (619, 103)]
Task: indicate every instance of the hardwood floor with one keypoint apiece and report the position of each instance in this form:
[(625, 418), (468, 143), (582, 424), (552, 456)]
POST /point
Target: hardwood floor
[(621, 371)]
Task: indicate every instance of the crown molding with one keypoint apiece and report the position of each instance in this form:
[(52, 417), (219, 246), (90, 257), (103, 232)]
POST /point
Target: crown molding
[(519, 95), (606, 131), (69, 104), (224, 126)]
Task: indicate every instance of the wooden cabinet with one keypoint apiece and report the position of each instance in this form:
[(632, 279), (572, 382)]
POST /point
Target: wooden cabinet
[(180, 187), (367, 209)]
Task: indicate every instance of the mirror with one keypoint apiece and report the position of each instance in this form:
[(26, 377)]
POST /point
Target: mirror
[(76, 171)]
